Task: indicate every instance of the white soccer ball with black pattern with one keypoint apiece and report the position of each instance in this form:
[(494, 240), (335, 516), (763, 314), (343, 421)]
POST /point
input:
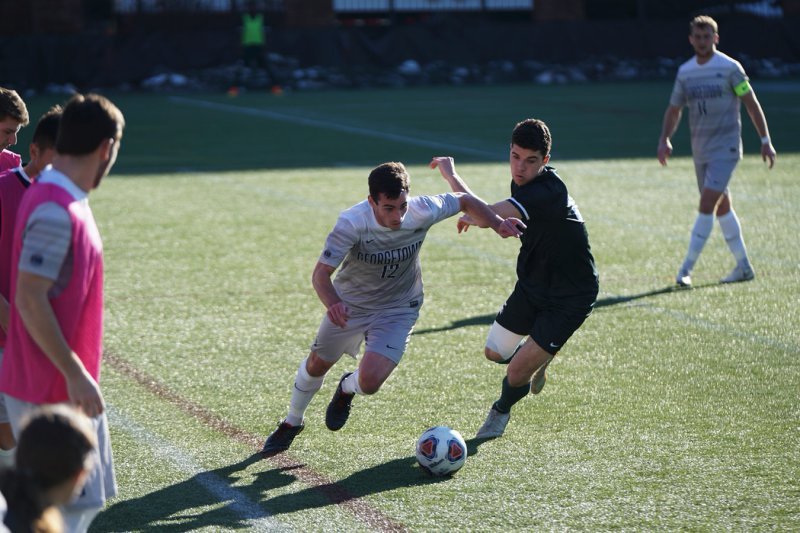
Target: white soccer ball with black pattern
[(441, 451)]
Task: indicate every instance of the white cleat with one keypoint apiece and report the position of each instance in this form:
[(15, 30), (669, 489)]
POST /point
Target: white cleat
[(683, 279), (739, 273), (494, 426)]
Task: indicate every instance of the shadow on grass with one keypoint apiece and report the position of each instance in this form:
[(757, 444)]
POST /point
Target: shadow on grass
[(180, 507), (388, 476), (486, 320), (177, 507)]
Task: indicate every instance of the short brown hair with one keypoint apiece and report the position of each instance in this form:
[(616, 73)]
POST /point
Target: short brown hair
[(11, 105), (46, 132), (391, 179), (703, 21), (532, 134), (86, 122)]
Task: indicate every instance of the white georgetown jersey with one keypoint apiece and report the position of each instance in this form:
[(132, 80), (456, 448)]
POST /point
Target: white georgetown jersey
[(380, 267), (711, 91)]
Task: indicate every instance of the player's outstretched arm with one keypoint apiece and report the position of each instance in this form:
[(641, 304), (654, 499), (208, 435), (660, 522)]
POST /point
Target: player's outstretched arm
[(482, 215), (753, 107), (447, 167)]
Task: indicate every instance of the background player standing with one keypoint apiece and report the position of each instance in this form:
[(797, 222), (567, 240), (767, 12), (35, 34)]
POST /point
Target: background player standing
[(557, 281), (13, 184), (377, 294), (711, 85)]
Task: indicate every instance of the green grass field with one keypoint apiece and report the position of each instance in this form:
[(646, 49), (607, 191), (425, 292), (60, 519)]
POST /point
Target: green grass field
[(667, 410)]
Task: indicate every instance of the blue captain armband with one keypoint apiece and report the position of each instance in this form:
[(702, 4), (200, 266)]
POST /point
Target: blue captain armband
[(742, 89)]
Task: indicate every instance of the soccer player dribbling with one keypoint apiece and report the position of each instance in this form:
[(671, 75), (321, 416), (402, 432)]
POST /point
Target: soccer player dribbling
[(377, 293)]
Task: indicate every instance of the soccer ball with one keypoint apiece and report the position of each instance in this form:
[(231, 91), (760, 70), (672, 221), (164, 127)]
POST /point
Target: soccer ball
[(441, 451)]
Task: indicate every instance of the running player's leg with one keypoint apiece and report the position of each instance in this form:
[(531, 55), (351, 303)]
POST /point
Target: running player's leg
[(703, 224), (730, 225), (387, 337), (550, 332), (329, 345)]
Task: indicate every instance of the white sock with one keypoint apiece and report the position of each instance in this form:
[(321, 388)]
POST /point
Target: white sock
[(703, 225), (305, 387), (350, 384), (7, 458), (732, 230)]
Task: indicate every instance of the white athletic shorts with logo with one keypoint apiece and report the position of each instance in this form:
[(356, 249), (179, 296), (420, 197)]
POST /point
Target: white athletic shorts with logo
[(101, 483), (715, 175), (386, 331)]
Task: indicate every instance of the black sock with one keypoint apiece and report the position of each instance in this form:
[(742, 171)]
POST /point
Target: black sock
[(510, 395)]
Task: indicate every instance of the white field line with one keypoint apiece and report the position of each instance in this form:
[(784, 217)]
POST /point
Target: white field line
[(250, 513), (335, 126)]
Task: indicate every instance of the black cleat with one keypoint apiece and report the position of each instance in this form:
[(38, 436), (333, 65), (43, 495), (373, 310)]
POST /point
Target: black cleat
[(339, 408), (280, 439)]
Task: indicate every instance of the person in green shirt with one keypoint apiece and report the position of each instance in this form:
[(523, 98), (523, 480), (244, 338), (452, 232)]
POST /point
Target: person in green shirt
[(254, 44)]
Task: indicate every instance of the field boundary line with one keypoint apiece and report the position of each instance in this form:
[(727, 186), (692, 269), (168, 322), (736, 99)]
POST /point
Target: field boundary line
[(325, 124), (257, 519), (328, 488)]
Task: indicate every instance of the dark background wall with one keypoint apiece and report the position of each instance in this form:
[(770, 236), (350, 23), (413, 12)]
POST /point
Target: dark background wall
[(100, 48)]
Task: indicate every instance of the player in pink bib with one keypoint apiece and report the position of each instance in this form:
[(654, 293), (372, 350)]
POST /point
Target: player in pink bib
[(54, 347), (13, 184)]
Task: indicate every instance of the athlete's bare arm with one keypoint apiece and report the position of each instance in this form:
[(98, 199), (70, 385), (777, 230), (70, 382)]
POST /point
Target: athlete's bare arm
[(672, 117), (321, 280), (753, 107)]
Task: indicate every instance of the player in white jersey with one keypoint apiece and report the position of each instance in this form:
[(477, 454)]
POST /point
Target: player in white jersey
[(377, 294), (712, 85)]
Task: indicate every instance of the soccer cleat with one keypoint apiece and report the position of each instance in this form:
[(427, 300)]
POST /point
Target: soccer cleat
[(339, 408), (539, 379), (683, 279), (280, 439), (739, 273), (494, 426)]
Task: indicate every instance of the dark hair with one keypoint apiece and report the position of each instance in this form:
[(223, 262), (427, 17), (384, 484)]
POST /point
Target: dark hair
[(86, 122), (11, 105), (391, 179), (55, 444), (703, 21), (44, 136), (532, 134)]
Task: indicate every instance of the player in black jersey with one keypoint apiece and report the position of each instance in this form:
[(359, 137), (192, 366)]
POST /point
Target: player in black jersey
[(557, 281)]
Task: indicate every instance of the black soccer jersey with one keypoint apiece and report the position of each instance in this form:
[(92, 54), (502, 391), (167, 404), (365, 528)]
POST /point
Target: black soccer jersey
[(555, 262)]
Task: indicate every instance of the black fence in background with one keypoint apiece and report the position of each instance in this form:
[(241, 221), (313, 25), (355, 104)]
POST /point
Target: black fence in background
[(592, 9)]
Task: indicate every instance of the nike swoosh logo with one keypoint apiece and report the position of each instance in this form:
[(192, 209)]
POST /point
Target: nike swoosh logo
[(392, 347), (369, 241), (552, 345)]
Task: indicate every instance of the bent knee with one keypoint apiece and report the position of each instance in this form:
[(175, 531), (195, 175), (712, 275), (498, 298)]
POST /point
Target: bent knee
[(368, 385), (317, 366), (491, 355)]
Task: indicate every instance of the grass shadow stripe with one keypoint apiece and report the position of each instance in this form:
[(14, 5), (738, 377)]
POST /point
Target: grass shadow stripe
[(328, 488)]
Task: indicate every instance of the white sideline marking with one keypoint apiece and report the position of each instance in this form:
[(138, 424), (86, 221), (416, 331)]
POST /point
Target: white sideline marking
[(324, 124), (251, 514)]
